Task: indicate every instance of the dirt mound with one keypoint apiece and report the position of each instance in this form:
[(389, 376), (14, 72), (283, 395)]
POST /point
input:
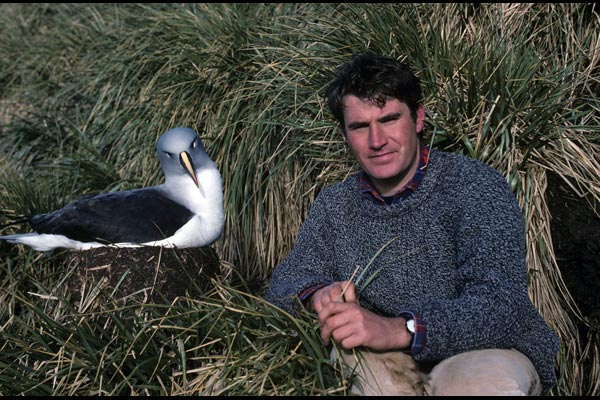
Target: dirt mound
[(152, 274)]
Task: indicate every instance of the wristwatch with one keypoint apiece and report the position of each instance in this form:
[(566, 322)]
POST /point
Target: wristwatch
[(410, 327)]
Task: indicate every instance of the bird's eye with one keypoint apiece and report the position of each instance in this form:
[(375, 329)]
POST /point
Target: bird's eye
[(168, 154), (194, 143)]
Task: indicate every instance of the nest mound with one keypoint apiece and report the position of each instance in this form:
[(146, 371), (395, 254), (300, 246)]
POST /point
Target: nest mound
[(148, 274)]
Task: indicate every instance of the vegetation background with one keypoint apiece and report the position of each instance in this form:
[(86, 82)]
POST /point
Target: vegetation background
[(86, 89)]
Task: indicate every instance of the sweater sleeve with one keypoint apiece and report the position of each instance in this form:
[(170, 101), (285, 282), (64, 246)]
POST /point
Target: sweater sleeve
[(306, 266)]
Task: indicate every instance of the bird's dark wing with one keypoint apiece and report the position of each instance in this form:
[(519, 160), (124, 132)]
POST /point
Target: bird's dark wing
[(135, 216)]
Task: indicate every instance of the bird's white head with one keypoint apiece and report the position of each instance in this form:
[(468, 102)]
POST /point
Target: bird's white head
[(182, 154)]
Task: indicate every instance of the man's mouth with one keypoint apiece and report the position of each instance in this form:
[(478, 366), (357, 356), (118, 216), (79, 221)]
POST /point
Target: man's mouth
[(381, 156)]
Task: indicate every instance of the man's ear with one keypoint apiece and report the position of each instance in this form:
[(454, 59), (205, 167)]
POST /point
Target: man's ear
[(420, 122)]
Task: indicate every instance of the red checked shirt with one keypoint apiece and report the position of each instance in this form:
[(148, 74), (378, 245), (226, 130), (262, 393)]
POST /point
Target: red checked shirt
[(368, 191)]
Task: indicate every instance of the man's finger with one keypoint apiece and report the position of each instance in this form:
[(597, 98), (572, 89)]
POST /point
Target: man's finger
[(350, 293), (336, 292)]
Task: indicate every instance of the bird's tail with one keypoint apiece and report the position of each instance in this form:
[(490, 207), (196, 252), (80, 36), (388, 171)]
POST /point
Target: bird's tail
[(34, 240)]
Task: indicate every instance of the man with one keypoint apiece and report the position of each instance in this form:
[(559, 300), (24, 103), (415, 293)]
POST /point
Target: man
[(443, 238)]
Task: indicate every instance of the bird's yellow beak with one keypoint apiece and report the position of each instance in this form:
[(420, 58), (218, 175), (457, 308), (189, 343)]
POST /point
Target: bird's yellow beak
[(186, 163)]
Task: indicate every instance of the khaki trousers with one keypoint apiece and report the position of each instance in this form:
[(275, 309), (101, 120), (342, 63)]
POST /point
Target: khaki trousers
[(492, 372)]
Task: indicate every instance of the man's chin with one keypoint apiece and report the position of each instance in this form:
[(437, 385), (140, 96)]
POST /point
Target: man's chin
[(385, 179)]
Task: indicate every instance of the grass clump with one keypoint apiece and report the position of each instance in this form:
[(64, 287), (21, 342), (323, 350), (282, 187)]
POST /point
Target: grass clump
[(224, 341)]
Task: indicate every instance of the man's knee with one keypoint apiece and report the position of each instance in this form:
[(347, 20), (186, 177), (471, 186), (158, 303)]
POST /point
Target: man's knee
[(486, 373)]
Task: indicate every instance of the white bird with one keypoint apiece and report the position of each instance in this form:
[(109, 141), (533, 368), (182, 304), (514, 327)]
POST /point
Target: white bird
[(185, 211)]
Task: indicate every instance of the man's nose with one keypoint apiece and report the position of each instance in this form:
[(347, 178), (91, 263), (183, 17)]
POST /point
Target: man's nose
[(377, 137)]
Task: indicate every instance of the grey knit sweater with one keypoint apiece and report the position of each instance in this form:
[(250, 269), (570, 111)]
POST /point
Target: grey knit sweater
[(458, 260)]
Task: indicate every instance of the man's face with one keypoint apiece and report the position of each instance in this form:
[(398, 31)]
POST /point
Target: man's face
[(384, 140)]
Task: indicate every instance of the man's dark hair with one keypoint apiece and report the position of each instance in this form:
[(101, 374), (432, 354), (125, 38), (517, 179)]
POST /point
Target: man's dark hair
[(373, 78)]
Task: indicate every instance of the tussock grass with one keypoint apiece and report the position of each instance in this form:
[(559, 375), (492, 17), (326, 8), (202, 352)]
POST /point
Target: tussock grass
[(223, 342), (88, 89)]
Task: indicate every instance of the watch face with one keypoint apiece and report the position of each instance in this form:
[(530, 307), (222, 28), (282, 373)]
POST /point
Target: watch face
[(410, 325)]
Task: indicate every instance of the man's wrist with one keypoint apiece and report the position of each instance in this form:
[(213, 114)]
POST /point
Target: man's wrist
[(309, 291), (403, 338)]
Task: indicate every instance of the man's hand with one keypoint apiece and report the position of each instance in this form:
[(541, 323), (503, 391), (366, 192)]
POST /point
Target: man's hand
[(334, 293), (351, 326)]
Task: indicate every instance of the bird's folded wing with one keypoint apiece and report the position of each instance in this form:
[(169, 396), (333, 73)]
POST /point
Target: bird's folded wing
[(134, 216)]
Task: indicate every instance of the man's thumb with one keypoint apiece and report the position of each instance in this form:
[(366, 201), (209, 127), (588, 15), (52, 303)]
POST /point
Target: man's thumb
[(350, 293)]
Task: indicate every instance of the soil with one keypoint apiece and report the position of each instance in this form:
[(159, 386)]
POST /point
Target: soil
[(148, 274), (575, 229)]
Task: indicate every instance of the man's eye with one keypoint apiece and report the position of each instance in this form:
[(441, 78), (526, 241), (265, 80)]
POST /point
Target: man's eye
[(390, 121), (359, 129)]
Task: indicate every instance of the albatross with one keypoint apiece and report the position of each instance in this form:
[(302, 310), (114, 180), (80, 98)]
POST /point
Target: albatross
[(185, 211)]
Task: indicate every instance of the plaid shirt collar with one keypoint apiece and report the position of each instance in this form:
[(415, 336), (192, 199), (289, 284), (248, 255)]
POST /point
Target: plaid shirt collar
[(368, 191)]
